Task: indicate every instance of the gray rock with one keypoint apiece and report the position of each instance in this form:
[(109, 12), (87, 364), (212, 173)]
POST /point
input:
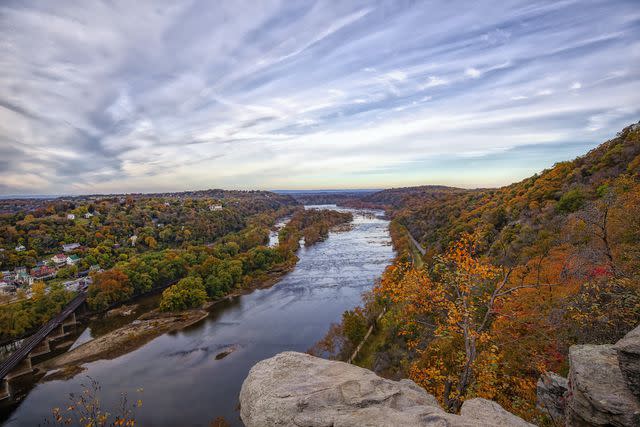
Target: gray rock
[(296, 389), (628, 349), (598, 395), (550, 391)]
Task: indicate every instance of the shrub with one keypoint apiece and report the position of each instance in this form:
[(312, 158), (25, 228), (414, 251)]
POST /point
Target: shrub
[(571, 201)]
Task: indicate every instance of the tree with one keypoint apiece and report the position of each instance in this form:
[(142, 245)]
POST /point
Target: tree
[(453, 306), (187, 293), (109, 287)]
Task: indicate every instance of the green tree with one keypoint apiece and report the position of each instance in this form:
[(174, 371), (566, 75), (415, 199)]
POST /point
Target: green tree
[(187, 293)]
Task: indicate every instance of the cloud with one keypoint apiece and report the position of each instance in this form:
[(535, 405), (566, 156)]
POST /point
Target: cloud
[(433, 82), (144, 96), (474, 73)]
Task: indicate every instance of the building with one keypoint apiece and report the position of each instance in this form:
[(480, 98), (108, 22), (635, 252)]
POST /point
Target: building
[(88, 215), (22, 277), (215, 207), (71, 216), (43, 272), (72, 259), (70, 246), (7, 276), (20, 248), (59, 259), (133, 239), (6, 288)]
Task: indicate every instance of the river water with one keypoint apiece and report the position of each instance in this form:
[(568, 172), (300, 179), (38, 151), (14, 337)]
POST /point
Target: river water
[(184, 384)]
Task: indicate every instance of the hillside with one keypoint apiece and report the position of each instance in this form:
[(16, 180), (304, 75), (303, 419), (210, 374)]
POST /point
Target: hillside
[(534, 203), (409, 196), (512, 277)]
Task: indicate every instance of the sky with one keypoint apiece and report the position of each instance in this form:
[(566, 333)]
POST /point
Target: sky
[(136, 96)]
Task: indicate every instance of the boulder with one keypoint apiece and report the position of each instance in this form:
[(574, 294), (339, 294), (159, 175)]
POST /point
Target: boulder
[(296, 389), (628, 349), (550, 391), (598, 394)]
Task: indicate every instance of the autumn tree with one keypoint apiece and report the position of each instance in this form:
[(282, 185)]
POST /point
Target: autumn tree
[(448, 314), (109, 287)]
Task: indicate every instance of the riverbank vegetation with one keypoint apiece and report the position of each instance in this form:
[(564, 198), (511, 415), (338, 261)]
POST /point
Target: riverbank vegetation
[(511, 278), (242, 258), (27, 314)]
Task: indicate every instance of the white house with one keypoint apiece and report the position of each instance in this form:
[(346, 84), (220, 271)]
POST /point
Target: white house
[(133, 239), (88, 215), (71, 216), (20, 248), (215, 207), (59, 259), (72, 259), (70, 246)]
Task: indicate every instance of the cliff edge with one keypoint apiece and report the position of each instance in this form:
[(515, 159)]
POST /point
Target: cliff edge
[(296, 389)]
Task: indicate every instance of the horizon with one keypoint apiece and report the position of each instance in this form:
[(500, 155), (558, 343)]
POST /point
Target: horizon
[(146, 98)]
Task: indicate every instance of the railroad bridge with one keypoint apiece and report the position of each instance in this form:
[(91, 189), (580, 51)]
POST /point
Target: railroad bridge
[(40, 343)]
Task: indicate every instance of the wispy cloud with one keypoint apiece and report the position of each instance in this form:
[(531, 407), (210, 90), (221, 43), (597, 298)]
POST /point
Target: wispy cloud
[(145, 96)]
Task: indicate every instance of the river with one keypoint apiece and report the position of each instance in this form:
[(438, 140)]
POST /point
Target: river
[(183, 383)]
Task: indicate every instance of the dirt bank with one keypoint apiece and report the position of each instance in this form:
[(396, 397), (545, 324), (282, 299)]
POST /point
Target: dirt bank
[(127, 338)]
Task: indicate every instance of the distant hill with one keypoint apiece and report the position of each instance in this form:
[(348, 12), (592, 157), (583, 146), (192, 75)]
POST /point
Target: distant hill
[(398, 197)]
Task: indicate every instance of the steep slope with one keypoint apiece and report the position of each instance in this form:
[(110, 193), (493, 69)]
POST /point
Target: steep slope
[(512, 277), (534, 202)]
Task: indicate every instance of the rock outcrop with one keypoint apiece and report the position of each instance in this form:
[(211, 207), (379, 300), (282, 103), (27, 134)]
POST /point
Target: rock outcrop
[(296, 389), (551, 390), (628, 349), (598, 394)]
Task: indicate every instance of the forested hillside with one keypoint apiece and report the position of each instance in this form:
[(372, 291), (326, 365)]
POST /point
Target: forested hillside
[(511, 278), (103, 226)]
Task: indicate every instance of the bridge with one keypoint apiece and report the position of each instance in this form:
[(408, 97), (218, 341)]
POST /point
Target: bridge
[(19, 362)]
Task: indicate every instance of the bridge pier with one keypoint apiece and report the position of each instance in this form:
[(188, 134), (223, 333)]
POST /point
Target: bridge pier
[(58, 332), (23, 368), (43, 348), (5, 391), (71, 320)]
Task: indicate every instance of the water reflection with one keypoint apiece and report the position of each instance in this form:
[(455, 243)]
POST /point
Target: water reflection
[(184, 384)]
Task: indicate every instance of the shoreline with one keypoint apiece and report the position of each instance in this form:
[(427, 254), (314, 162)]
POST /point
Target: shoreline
[(144, 329), (153, 324), (125, 339)]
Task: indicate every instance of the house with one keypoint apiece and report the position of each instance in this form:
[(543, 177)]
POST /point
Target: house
[(71, 216), (133, 239), (215, 207), (59, 259), (20, 248), (72, 259), (43, 272), (7, 276), (21, 276), (88, 215), (70, 246), (94, 267), (72, 285), (6, 288)]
